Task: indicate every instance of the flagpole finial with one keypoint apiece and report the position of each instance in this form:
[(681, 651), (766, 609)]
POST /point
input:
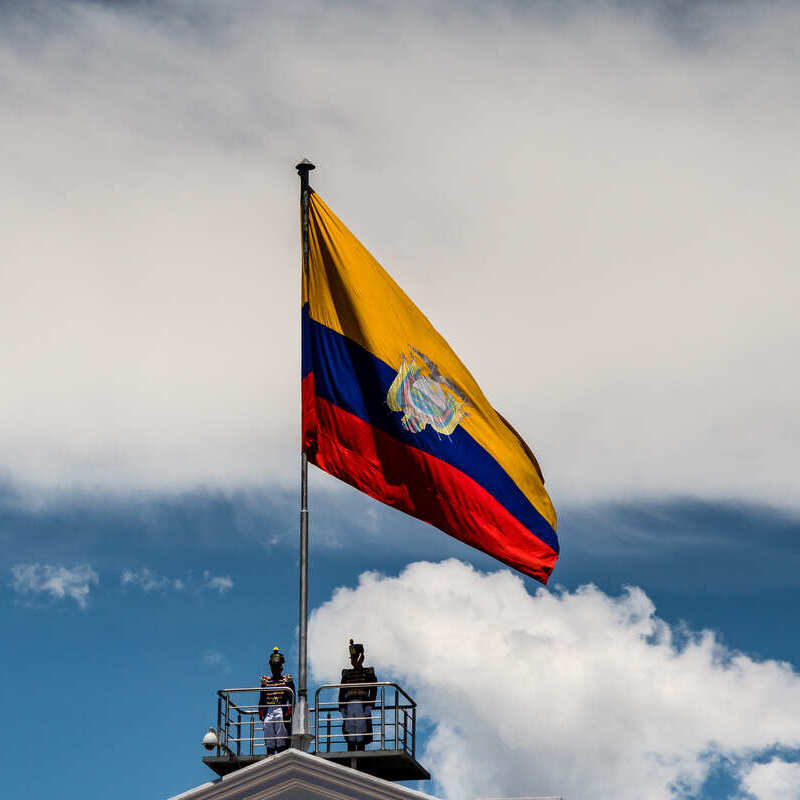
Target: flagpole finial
[(304, 166)]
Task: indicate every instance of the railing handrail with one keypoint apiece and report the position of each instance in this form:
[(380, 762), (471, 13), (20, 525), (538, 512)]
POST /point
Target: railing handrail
[(247, 709), (255, 689), (364, 686), (321, 687)]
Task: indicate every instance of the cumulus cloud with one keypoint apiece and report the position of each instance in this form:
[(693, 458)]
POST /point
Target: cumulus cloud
[(775, 780), (149, 581), (567, 693), (55, 580), (594, 202)]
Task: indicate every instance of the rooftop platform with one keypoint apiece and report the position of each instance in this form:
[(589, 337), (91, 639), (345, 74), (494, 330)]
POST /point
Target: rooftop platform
[(390, 756)]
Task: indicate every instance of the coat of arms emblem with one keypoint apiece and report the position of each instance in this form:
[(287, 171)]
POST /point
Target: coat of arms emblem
[(425, 397)]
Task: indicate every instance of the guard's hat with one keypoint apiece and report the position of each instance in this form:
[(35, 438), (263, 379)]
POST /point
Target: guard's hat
[(356, 649), (276, 657)]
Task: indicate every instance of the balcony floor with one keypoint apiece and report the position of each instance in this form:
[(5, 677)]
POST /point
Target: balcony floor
[(391, 765)]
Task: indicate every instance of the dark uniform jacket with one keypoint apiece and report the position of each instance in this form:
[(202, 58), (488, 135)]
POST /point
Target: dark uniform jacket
[(362, 694), (276, 692)]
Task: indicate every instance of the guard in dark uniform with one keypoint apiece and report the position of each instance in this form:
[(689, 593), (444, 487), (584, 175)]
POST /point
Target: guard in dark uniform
[(355, 704), (275, 704)]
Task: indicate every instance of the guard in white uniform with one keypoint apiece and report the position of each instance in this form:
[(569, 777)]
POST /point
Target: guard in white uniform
[(275, 704)]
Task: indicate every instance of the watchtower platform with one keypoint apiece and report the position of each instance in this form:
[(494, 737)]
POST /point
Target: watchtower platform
[(240, 737)]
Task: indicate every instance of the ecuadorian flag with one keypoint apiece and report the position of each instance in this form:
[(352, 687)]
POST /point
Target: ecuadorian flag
[(389, 408)]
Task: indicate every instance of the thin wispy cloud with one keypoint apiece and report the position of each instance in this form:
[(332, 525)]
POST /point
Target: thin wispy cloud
[(213, 658), (54, 581), (149, 581), (216, 583), (596, 207)]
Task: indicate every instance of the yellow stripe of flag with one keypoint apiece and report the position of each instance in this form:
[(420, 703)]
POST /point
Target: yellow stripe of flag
[(349, 292)]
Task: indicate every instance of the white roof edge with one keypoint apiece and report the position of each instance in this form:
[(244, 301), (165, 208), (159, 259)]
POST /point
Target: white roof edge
[(190, 792), (316, 761)]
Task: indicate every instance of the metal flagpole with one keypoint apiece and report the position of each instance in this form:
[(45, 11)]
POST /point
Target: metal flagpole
[(301, 737)]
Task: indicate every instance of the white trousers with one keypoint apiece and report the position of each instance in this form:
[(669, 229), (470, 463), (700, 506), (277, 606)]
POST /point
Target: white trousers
[(275, 733)]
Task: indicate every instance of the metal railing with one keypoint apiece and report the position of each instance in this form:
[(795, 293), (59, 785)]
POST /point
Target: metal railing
[(237, 718), (392, 717)]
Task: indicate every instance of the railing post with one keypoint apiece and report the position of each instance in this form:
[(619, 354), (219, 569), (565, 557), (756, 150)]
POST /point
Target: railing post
[(227, 721), (328, 733), (396, 700), (316, 722), (219, 724), (413, 732), (239, 734), (383, 718)]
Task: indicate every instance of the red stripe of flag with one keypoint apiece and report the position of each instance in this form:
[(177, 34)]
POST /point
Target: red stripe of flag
[(380, 465)]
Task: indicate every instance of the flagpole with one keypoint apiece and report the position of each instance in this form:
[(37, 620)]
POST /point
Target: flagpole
[(301, 736)]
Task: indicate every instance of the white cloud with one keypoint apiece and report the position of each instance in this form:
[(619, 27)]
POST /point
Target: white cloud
[(213, 658), (597, 212), (149, 581), (217, 583), (55, 580), (775, 780), (577, 694)]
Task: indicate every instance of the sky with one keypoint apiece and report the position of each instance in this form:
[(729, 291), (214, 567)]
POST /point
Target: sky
[(594, 202)]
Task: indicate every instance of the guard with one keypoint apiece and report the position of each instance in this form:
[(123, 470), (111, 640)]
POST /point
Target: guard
[(275, 704), (355, 703)]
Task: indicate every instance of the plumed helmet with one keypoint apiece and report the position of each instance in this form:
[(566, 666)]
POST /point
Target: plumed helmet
[(276, 657), (356, 649)]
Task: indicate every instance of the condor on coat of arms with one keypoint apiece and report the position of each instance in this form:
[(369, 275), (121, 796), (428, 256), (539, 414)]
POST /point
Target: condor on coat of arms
[(425, 397)]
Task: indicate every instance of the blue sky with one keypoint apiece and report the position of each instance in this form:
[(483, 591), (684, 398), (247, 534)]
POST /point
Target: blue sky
[(593, 202), (145, 661)]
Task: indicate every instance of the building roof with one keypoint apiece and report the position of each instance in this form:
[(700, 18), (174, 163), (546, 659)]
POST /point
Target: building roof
[(295, 775)]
